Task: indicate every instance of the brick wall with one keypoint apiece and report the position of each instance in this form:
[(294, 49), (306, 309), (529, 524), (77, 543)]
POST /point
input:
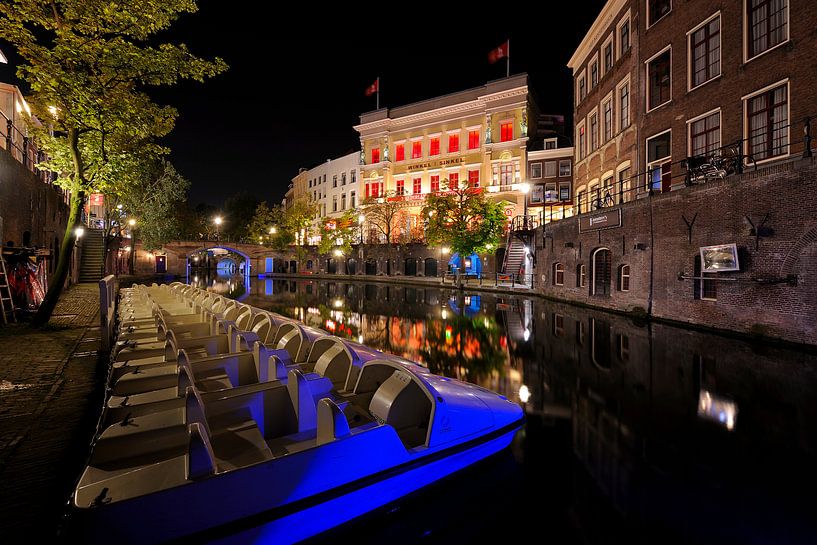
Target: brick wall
[(29, 205), (723, 212)]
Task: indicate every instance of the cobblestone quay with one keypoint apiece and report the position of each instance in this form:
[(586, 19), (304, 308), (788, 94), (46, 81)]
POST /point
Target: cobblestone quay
[(50, 395)]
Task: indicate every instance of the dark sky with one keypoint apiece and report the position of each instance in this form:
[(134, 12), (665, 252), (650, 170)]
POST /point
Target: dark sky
[(296, 81)]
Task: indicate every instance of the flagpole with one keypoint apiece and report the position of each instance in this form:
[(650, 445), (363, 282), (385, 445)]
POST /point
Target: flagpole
[(378, 93), (508, 60)]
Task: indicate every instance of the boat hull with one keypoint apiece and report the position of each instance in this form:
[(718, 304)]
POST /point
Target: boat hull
[(292, 522)]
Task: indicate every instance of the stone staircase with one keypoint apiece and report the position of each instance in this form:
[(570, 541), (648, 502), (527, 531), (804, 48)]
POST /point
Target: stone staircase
[(515, 255), (93, 256)]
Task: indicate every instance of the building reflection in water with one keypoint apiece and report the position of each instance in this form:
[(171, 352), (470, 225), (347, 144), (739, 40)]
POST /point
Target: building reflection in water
[(648, 413)]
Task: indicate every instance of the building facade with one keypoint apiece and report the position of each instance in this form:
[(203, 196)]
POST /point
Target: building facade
[(333, 187), (606, 101), (477, 137), (550, 175), (728, 78), (665, 91)]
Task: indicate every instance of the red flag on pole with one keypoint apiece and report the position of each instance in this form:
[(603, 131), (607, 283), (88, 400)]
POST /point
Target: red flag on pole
[(499, 53), (373, 88)]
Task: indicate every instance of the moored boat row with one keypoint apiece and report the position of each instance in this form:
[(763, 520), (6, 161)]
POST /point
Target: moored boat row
[(225, 422)]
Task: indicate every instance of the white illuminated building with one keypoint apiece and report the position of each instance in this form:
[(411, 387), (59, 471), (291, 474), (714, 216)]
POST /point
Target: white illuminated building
[(334, 187)]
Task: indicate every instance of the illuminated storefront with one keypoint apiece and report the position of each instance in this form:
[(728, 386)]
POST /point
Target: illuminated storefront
[(476, 137)]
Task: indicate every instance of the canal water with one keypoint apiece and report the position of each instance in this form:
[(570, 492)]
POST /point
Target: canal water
[(635, 433)]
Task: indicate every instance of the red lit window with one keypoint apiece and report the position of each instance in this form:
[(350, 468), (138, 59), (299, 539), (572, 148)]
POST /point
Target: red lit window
[(399, 152), (453, 180), (473, 139), (473, 178), (416, 149), (454, 143), (375, 155), (401, 187), (418, 185), (373, 190), (435, 183), (506, 132), (434, 146)]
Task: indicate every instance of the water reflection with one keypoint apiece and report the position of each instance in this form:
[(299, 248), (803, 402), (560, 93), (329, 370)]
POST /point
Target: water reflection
[(635, 432)]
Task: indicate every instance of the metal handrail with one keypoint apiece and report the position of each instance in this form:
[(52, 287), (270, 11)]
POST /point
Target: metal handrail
[(23, 148)]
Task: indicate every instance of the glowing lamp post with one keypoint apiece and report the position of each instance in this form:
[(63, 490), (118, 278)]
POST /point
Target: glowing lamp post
[(525, 189), (217, 220), (360, 219)]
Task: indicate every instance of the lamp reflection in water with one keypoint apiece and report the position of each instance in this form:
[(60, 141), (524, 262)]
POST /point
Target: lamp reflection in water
[(718, 409)]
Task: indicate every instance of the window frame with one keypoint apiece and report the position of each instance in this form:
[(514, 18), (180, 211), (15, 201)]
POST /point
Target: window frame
[(656, 162), (625, 19), (650, 25), (416, 185), (581, 275), (590, 114), (531, 173), (415, 142), (471, 182), (455, 135), (700, 117), (558, 274), (569, 168), (608, 41), (649, 109), (581, 139), (504, 123), (372, 153), (556, 168), (593, 61), (479, 138), (624, 275), (581, 77), (431, 139), (334, 181), (745, 100), (609, 99), (400, 151), (690, 56), (625, 82), (746, 31), (434, 182), (400, 187)]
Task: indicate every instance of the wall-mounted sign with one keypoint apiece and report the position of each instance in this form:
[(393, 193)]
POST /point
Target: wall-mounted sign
[(434, 164), (600, 220), (721, 258), (96, 199)]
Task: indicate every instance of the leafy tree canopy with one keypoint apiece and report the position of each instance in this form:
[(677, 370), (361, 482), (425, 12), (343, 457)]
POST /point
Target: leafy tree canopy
[(464, 219)]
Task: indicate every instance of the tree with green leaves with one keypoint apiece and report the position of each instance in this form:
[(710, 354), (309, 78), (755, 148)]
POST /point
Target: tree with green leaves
[(153, 201), (464, 219), (339, 233), (267, 226), (298, 219), (88, 64)]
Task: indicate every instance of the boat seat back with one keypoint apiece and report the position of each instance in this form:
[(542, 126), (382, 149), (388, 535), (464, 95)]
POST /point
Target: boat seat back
[(257, 319), (185, 381), (201, 460), (194, 408), (332, 422), (302, 401), (400, 402), (290, 341), (242, 319), (334, 363)]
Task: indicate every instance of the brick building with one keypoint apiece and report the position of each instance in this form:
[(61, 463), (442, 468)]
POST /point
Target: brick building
[(550, 174), (720, 73), (657, 82), (606, 98)]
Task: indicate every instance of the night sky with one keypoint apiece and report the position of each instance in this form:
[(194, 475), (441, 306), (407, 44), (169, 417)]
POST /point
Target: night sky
[(236, 133)]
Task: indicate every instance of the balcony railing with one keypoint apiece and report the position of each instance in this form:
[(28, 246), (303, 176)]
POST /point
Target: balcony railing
[(22, 148)]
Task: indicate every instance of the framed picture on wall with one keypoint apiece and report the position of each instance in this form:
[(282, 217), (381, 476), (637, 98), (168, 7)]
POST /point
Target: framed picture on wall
[(721, 258)]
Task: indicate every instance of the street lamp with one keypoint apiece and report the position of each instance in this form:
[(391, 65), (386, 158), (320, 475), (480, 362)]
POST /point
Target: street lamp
[(217, 221), (360, 219), (272, 230), (131, 222), (443, 251), (525, 188), (79, 231)]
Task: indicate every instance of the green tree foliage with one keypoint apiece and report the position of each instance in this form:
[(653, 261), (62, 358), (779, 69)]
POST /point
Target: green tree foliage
[(88, 64), (238, 214), (339, 233), (268, 218), (298, 219), (464, 219), (154, 201)]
